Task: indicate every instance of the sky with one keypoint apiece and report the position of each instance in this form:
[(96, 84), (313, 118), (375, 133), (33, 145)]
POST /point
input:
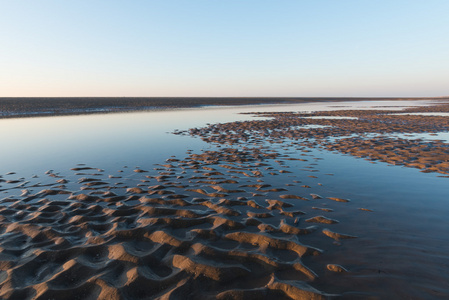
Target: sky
[(224, 48)]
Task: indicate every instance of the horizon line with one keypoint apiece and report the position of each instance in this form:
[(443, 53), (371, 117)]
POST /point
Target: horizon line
[(238, 97)]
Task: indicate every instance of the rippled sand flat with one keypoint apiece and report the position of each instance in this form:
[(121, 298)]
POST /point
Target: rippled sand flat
[(249, 219)]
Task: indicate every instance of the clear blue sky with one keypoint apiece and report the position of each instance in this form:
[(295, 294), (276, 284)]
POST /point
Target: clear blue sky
[(224, 48)]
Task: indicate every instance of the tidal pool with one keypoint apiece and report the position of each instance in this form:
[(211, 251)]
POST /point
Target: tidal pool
[(401, 246), (33, 145)]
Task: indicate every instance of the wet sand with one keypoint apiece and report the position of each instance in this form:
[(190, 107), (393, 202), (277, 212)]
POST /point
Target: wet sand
[(235, 222), (33, 107), (367, 134)]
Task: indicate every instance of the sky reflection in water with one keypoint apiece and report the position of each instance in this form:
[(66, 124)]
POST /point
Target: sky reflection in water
[(34, 145), (404, 200)]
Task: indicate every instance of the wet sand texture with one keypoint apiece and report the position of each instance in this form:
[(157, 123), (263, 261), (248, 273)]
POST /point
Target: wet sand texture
[(162, 239), (212, 225), (370, 134)]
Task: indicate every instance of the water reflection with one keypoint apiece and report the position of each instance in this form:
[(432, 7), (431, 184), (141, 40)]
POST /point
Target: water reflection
[(430, 114), (331, 118), (410, 208), (441, 136), (32, 145)]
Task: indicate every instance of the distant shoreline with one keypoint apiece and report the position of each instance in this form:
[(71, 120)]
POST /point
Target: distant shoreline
[(21, 107)]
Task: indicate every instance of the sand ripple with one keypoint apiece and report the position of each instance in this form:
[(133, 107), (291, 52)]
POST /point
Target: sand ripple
[(158, 241)]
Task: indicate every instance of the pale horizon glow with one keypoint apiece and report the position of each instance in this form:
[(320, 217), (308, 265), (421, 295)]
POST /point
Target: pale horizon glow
[(224, 48)]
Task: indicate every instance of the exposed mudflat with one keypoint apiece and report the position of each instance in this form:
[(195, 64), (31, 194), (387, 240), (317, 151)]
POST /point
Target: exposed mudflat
[(367, 134), (249, 219), (32, 107)]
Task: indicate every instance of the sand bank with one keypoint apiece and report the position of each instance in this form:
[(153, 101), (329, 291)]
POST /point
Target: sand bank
[(32, 107), (368, 134)]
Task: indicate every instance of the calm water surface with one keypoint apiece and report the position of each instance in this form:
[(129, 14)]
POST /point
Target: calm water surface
[(34, 145), (406, 237)]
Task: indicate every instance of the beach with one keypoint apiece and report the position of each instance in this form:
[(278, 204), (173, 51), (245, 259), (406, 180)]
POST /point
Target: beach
[(336, 204), (53, 106)]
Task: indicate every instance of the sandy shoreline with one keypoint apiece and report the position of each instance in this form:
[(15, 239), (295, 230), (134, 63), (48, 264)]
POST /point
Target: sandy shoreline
[(34, 107), (249, 220)]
